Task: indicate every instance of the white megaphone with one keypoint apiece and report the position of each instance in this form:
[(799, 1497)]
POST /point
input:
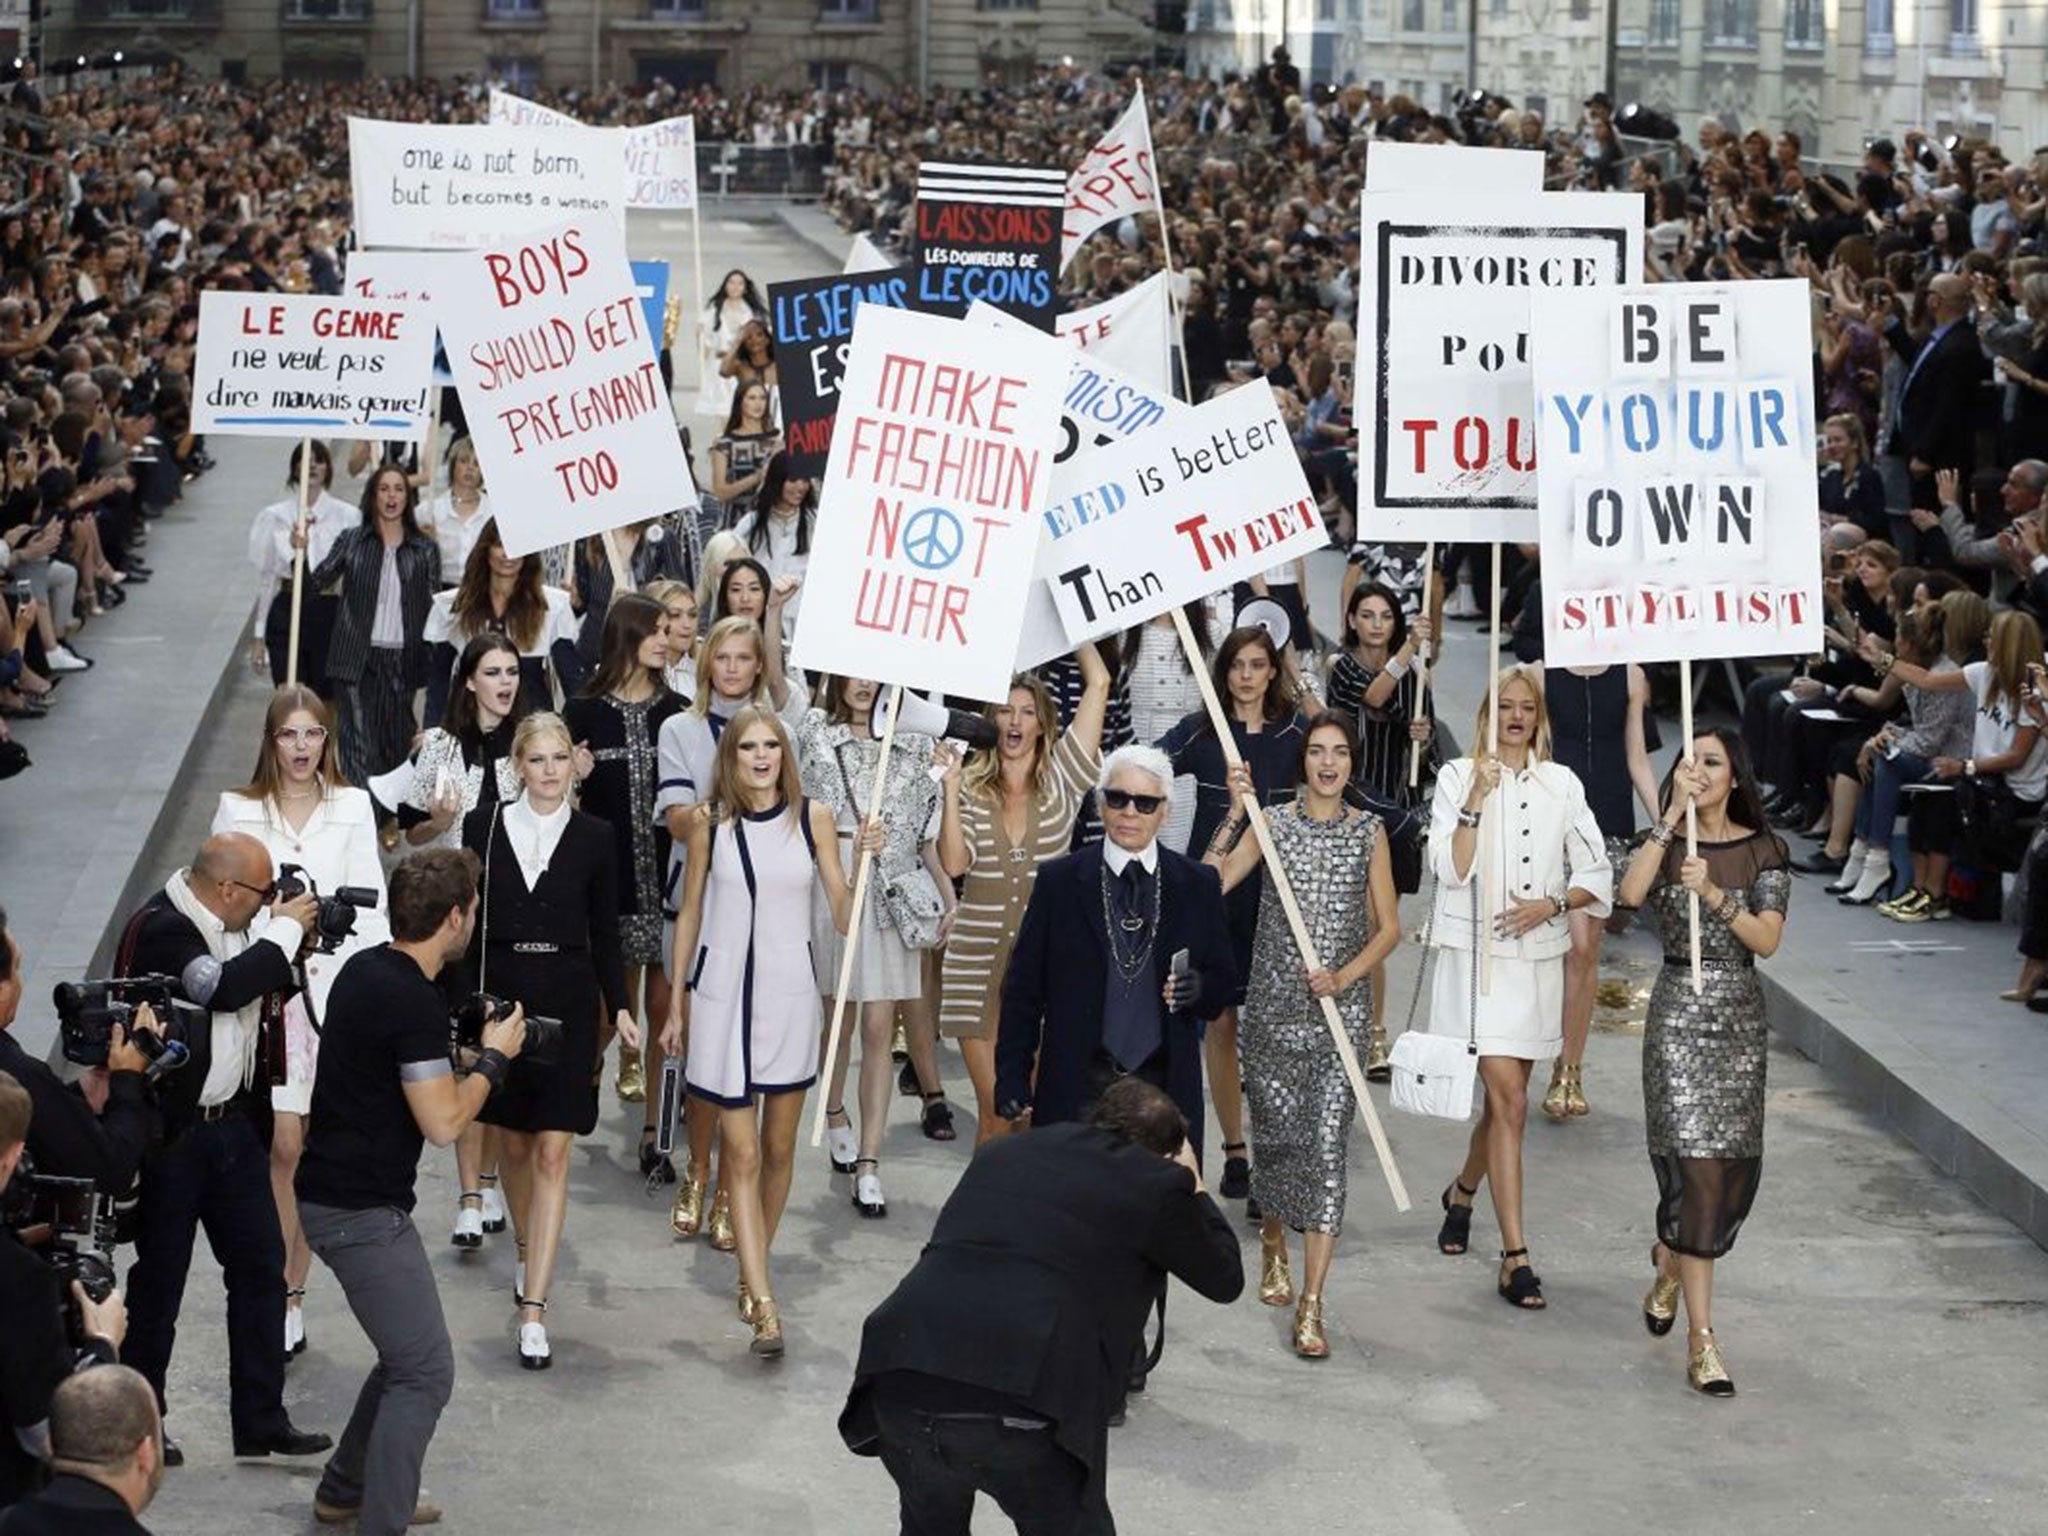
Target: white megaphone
[(1264, 613), (924, 718)]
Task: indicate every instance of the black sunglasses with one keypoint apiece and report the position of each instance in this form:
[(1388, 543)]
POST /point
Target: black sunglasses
[(267, 892), (1124, 800)]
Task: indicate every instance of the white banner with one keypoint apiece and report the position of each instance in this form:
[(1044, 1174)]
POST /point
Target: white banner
[(1394, 166), (305, 365), (456, 186), (1446, 405), (1675, 434), (941, 459), (660, 158), (864, 256), (549, 345), (1131, 332), (1178, 513), (1113, 181)]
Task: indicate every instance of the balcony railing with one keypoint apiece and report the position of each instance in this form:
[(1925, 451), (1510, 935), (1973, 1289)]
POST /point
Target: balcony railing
[(534, 11), (348, 13), (677, 10), (159, 13)]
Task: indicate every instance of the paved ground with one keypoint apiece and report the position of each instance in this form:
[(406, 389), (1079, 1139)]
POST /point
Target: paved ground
[(1883, 1325)]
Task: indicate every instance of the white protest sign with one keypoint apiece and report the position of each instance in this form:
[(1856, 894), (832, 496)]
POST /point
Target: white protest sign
[(1178, 513), (305, 365), (1677, 488), (1394, 166), (1446, 406), (456, 186), (549, 345), (1131, 331), (660, 158), (926, 533), (864, 256)]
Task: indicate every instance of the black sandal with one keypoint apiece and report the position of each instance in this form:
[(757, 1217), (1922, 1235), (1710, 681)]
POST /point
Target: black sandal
[(1522, 1289), (938, 1118), (1455, 1235)]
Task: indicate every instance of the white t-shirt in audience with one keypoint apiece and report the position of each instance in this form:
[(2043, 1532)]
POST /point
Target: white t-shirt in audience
[(1995, 729)]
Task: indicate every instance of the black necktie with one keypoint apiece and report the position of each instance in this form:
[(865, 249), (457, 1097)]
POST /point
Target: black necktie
[(1133, 879)]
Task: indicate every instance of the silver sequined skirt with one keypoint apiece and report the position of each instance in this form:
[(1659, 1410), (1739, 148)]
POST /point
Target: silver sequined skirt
[(1301, 1106), (1703, 1064)]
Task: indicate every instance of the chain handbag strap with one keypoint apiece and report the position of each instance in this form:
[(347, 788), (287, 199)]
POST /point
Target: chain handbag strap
[(483, 960), (1429, 953)]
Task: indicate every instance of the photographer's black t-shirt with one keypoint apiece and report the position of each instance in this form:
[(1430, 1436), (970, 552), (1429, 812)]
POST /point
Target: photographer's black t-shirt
[(386, 1025)]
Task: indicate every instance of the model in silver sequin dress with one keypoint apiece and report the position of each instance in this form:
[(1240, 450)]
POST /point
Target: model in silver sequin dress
[(1300, 1102), (1704, 1053)]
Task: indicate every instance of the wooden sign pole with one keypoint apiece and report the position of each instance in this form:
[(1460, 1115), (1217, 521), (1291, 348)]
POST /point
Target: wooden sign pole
[(1692, 828), (1282, 888), (291, 654), (1422, 655), (1489, 824)]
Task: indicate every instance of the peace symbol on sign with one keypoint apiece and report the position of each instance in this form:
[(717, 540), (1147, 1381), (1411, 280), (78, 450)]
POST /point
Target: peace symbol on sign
[(933, 539)]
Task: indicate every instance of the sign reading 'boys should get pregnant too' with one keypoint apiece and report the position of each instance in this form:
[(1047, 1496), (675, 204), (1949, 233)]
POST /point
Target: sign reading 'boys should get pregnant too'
[(1676, 489)]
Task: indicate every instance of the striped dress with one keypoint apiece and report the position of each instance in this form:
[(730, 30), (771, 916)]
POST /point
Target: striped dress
[(998, 885)]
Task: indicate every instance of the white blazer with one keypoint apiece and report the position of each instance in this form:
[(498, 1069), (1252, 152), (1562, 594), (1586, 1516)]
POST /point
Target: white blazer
[(1542, 840)]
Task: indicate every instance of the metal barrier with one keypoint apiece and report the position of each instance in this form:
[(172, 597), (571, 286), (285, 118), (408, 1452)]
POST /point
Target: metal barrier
[(732, 170)]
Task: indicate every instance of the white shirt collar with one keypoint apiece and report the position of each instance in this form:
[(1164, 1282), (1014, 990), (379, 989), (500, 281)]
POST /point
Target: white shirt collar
[(1115, 857)]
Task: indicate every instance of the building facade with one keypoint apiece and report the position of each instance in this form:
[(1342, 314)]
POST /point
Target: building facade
[(532, 44)]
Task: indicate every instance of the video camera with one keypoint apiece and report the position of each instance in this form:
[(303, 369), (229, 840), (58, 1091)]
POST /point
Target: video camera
[(52, 1217), (88, 1013), (543, 1044), (337, 918)]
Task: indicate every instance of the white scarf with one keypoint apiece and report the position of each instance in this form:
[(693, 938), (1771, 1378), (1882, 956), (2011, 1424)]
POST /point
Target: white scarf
[(235, 1035)]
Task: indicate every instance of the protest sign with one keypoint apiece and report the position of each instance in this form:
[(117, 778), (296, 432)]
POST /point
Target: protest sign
[(401, 275), (988, 232), (865, 256), (1130, 333), (660, 159), (1178, 513), (456, 186), (650, 281), (1677, 484), (1446, 409), (564, 397), (306, 365), (1113, 181), (812, 323), (1392, 165), (928, 526)]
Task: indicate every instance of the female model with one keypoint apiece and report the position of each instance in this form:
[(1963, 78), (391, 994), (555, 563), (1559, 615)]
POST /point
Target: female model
[(498, 593)]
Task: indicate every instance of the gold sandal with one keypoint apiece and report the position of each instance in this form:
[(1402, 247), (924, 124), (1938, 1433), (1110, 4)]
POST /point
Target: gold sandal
[(1309, 1341), (722, 1237), (1557, 1103), (686, 1216), (1276, 1280), (1575, 1092), (1379, 1067), (767, 1321)]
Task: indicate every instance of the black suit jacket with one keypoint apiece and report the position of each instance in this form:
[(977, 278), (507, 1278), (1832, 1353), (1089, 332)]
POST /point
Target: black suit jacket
[(1038, 1277), (357, 562), (1059, 970), (1939, 409), (67, 1139), (72, 1506)]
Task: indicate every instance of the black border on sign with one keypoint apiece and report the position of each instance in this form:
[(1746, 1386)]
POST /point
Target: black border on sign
[(1619, 239)]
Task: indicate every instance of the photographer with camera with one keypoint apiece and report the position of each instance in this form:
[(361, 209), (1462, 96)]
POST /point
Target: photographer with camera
[(98, 1129), (384, 1084), (106, 1449), (44, 1340), (214, 1165)]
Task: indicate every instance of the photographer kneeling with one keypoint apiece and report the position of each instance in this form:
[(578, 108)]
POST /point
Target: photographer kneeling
[(44, 1340), (384, 1083)]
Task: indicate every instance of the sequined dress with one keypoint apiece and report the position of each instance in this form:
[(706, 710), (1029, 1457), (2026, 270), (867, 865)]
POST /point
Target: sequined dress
[(1704, 1054), (1301, 1104)]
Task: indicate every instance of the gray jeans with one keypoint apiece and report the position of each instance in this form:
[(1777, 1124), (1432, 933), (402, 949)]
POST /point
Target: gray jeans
[(377, 1256)]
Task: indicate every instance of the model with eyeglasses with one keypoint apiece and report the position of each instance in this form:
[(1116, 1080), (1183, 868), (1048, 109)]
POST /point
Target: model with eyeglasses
[(298, 805)]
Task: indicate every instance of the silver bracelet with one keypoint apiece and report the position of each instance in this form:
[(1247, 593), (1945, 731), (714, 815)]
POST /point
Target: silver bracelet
[(1396, 668), (1468, 818)]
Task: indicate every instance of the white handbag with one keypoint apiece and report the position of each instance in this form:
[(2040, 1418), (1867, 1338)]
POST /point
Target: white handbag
[(1436, 1074)]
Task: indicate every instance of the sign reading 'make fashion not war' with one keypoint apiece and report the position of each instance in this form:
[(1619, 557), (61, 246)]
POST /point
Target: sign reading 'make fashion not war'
[(1677, 484)]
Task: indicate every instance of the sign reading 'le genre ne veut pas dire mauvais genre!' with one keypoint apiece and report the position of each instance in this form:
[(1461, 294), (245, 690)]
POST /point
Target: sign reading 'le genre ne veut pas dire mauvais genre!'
[(1677, 487), (305, 365), (1181, 510), (941, 459)]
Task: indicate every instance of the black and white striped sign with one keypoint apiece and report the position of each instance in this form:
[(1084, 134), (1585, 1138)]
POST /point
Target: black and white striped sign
[(989, 233)]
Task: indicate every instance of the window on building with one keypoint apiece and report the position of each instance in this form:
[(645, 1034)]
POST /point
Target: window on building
[(1454, 15), (1582, 10), (1326, 10), (1411, 15), (326, 10), (513, 10), (849, 10), (1664, 23), (987, 5), (830, 75), (516, 74), (1878, 36), (1805, 24), (677, 10), (1498, 9), (1354, 11), (1731, 23), (1962, 26)]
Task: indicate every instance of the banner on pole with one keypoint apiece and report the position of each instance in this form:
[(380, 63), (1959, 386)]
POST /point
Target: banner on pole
[(457, 186), (1129, 333), (812, 323), (1677, 482), (989, 232), (1114, 180), (1446, 408), (306, 365), (660, 158), (1394, 166), (928, 527), (564, 397), (1178, 513)]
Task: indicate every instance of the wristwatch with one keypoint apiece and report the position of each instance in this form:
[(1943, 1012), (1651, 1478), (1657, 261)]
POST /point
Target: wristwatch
[(1969, 768)]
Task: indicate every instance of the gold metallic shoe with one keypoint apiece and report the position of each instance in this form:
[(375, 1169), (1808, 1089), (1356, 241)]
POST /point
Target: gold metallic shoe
[(1704, 1371), (767, 1321), (721, 1223), (1575, 1092), (746, 1302), (1660, 1305), (1557, 1102), (1379, 1067), (1309, 1342), (1276, 1280), (686, 1216), (632, 1077)]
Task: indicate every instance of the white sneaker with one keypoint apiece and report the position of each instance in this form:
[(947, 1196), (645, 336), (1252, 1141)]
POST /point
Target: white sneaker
[(61, 658), (842, 1146), (534, 1354), (494, 1209), (469, 1228)]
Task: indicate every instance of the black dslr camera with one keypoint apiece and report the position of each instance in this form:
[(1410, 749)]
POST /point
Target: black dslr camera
[(70, 1226), (88, 1013), (543, 1044), (337, 919)]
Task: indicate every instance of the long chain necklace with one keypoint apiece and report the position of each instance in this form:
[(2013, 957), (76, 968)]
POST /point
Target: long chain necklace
[(1143, 928)]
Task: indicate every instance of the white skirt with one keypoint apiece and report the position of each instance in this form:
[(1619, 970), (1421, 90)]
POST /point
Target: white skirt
[(1520, 1015)]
